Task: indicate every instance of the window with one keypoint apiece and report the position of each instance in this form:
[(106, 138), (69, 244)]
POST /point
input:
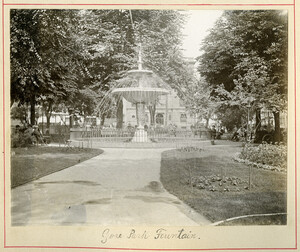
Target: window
[(183, 118), (160, 119)]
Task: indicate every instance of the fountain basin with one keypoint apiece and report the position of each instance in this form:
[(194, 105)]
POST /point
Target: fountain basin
[(140, 94)]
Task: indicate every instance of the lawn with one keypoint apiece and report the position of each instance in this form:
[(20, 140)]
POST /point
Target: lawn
[(215, 185), (28, 164)]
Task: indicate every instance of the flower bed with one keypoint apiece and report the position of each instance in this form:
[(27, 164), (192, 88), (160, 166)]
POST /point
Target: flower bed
[(190, 149), (218, 183), (216, 186), (266, 156)]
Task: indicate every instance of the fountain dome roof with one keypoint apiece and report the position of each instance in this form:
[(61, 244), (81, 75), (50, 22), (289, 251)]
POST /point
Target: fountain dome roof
[(141, 86)]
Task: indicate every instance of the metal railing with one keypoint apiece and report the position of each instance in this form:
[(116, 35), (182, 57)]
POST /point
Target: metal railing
[(124, 135)]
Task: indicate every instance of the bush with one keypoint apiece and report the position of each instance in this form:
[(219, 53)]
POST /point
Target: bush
[(20, 140), (266, 154)]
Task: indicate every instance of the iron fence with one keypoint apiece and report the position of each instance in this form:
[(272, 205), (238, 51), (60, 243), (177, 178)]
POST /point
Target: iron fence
[(160, 135)]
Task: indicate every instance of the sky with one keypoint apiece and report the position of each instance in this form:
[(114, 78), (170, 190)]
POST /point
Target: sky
[(196, 29)]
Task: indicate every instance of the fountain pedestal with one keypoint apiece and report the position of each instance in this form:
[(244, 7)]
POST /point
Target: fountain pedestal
[(140, 134)]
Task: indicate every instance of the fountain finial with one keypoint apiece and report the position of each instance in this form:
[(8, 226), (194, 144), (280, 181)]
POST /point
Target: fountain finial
[(140, 57)]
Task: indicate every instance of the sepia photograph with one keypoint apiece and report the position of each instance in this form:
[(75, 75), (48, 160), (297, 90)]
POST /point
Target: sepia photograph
[(128, 117)]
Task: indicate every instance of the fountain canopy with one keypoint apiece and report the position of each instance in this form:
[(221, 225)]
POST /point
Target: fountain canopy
[(141, 86)]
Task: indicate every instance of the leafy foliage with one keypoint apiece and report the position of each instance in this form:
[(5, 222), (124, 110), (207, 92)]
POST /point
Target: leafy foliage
[(244, 59), (45, 56), (74, 57), (19, 113), (159, 32), (198, 99), (231, 116)]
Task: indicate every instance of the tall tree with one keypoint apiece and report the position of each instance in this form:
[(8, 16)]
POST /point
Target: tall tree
[(26, 75), (245, 59), (198, 100), (44, 56)]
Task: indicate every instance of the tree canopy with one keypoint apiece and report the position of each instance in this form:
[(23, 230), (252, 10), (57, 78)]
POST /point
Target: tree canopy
[(246, 55), (45, 57), (74, 57), (245, 61)]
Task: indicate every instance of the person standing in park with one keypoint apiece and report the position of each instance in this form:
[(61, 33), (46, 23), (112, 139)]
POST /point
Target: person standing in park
[(37, 136), (213, 133)]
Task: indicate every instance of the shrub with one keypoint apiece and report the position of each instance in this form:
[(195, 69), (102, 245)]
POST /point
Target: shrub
[(21, 139), (266, 154)]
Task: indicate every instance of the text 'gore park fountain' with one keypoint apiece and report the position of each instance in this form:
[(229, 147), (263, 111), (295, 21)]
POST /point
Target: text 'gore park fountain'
[(142, 87)]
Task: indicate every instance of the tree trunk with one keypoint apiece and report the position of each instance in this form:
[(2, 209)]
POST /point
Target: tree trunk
[(257, 120), (32, 110), (207, 122), (103, 116), (208, 116), (71, 116), (48, 116), (48, 112), (120, 114), (152, 109), (277, 133)]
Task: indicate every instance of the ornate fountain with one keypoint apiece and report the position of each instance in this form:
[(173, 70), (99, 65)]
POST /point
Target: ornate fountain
[(140, 87)]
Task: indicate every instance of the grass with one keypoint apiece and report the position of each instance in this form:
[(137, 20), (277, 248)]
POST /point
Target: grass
[(262, 220), (212, 183), (28, 164)]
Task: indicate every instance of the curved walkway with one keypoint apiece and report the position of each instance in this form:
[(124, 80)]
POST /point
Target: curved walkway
[(118, 187)]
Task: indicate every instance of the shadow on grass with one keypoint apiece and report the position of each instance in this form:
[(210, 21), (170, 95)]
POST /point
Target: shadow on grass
[(28, 164)]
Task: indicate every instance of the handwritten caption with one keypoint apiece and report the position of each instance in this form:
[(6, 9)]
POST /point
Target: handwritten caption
[(159, 234)]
